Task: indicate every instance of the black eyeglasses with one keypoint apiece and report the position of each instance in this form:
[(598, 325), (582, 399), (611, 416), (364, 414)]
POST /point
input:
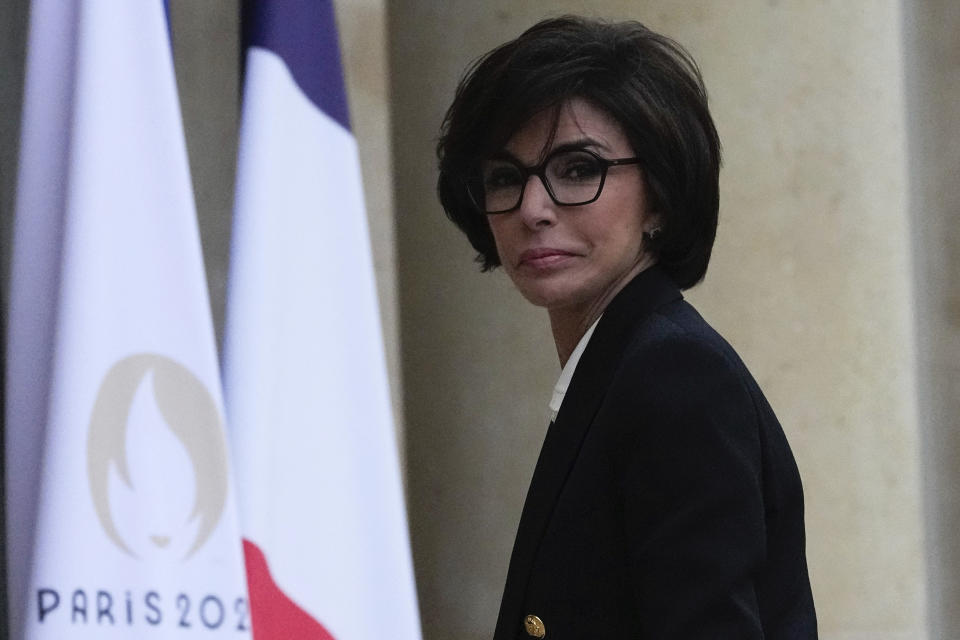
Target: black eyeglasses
[(571, 177)]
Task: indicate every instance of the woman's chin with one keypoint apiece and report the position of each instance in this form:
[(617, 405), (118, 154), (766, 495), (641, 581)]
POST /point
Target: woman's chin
[(550, 297)]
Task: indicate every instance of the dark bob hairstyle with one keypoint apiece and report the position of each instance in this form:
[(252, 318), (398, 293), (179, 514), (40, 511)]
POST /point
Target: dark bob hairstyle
[(648, 83)]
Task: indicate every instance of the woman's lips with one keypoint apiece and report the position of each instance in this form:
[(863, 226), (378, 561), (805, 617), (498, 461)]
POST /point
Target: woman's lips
[(543, 258)]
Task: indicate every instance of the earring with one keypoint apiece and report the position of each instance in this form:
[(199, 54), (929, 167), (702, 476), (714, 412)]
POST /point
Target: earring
[(652, 234)]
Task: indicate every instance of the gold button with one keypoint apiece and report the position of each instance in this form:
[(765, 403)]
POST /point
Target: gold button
[(534, 626)]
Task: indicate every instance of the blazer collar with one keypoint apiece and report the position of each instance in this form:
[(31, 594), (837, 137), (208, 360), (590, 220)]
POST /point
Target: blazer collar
[(641, 296)]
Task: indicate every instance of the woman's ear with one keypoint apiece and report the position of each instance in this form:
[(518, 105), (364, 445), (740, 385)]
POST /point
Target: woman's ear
[(652, 227)]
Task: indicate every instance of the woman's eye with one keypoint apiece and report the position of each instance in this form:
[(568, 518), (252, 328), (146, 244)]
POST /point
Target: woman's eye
[(577, 170), (501, 178)]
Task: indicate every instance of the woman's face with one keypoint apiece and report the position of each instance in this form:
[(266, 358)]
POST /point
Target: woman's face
[(574, 258)]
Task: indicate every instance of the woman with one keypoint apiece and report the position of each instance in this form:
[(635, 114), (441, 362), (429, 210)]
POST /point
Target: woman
[(581, 157)]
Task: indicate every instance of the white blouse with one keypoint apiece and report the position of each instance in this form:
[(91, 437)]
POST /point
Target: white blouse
[(560, 390)]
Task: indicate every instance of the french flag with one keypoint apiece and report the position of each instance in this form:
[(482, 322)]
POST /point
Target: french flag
[(308, 406)]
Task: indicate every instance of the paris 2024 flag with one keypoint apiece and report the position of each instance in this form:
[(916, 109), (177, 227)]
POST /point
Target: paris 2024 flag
[(120, 515), (308, 407)]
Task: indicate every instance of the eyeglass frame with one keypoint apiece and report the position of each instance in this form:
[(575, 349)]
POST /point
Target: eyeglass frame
[(539, 170)]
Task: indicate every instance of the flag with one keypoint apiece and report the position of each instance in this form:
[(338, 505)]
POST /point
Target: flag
[(121, 518), (308, 407)]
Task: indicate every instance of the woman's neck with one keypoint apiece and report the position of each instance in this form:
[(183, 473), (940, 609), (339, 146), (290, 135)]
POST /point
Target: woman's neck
[(569, 324), (567, 331)]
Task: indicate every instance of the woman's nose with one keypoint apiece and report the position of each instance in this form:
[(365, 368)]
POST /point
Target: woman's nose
[(537, 207)]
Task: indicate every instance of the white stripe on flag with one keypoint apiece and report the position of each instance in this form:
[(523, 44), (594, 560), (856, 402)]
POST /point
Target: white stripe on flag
[(114, 421)]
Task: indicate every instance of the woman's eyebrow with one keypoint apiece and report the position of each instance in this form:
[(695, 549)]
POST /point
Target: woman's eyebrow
[(580, 143), (571, 145)]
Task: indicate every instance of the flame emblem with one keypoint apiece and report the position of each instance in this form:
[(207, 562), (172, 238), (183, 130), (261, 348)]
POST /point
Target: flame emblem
[(192, 430)]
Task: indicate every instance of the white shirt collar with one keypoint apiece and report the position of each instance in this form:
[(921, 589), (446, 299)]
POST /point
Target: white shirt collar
[(560, 390)]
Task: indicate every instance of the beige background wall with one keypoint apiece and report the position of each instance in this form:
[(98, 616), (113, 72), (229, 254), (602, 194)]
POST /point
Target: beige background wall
[(840, 128)]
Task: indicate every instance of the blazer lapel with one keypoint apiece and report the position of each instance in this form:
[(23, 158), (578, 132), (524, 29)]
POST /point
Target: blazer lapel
[(588, 386)]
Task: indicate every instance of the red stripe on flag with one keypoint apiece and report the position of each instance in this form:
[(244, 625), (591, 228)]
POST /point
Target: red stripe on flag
[(275, 616)]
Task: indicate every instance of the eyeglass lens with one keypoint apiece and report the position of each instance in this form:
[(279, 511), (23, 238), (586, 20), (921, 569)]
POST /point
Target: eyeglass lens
[(571, 177)]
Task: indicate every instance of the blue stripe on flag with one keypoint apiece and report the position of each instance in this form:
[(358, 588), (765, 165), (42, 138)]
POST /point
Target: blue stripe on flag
[(304, 34)]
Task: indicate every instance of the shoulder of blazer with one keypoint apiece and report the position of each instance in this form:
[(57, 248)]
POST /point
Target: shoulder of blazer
[(639, 298)]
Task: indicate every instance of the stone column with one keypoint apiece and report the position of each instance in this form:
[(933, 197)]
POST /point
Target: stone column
[(933, 95)]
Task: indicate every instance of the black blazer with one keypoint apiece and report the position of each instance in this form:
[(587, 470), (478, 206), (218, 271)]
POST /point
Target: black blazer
[(666, 502)]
